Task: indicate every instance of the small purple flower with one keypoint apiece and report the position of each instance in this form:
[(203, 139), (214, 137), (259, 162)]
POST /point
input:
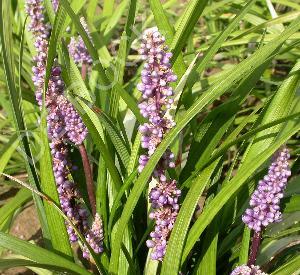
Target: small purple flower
[(55, 4), (265, 201), (156, 100), (246, 270), (95, 237), (77, 48), (35, 9)]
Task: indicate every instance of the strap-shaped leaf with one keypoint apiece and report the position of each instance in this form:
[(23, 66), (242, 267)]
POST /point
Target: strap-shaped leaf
[(186, 25), (39, 255)]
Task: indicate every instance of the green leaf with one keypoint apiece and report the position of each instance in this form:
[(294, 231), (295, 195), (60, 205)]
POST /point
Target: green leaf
[(208, 258), (134, 154), (119, 67), (279, 107), (291, 267), (219, 40), (130, 19), (39, 255), (274, 247), (108, 7), (13, 204), (77, 85), (117, 203), (113, 20), (7, 152), (13, 263), (128, 99), (186, 25), (243, 257)]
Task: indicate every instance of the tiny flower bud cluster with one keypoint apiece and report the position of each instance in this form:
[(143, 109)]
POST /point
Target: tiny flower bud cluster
[(68, 193), (246, 270), (77, 48), (35, 10), (156, 100), (265, 201), (55, 4), (63, 122), (95, 237)]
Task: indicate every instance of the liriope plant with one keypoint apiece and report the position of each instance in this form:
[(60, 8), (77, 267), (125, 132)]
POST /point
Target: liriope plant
[(158, 137)]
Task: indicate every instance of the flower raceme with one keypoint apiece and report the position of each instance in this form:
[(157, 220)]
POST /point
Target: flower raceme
[(63, 122), (265, 200), (156, 100), (77, 48), (265, 206)]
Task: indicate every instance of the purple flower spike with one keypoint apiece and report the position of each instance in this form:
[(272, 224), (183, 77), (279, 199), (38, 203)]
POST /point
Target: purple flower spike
[(156, 100), (156, 93), (77, 48), (95, 237), (265, 201), (64, 125), (246, 270)]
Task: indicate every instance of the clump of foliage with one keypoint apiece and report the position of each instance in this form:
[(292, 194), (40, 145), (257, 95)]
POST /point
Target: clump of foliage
[(158, 137)]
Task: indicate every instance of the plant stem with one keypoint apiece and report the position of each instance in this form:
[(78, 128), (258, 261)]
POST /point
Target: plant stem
[(254, 248), (83, 71), (89, 177)]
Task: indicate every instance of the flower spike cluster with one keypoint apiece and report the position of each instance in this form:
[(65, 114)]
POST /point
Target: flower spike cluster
[(246, 270), (77, 48), (95, 237), (265, 200), (156, 100), (64, 123)]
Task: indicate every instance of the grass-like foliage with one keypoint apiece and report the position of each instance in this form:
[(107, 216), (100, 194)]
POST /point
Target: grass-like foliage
[(150, 137)]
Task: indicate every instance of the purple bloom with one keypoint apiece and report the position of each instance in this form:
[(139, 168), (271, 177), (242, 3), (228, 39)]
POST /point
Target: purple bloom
[(95, 237), (156, 93), (35, 9), (68, 193), (246, 270), (64, 124), (265, 201), (156, 100), (77, 48), (55, 4)]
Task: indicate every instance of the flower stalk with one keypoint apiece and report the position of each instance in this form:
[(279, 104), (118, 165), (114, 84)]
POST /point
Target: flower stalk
[(89, 177), (256, 239)]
